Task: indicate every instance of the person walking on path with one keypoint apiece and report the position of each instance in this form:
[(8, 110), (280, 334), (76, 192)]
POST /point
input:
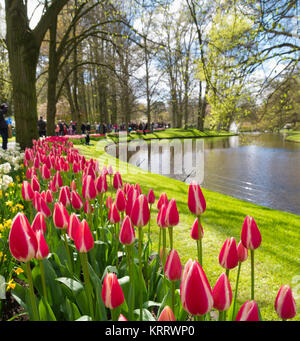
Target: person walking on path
[(3, 125), (42, 127)]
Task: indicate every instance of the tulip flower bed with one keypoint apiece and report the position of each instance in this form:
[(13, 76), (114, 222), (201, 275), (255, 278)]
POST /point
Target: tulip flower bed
[(84, 247)]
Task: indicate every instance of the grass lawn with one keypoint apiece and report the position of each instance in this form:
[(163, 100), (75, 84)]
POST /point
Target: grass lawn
[(277, 261), (295, 137)]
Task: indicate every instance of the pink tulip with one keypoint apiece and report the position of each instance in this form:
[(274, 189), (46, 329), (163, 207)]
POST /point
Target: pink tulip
[(117, 182), (173, 267), (285, 304), (49, 196), (113, 215), (196, 200), (109, 201), (248, 312), (131, 197), (65, 196), (112, 293), (60, 216), (76, 201), (195, 292), (37, 201), (127, 234), (57, 180), (250, 236), (73, 225), (89, 191), (120, 200), (22, 240), (242, 252), (46, 173), (140, 213), (195, 230), (44, 209), (228, 257), (73, 185), (27, 191), (163, 200), (222, 293), (167, 314), (88, 208), (151, 197), (172, 216), (83, 238), (122, 318), (101, 184), (39, 223), (42, 250), (110, 170), (35, 184), (161, 217)]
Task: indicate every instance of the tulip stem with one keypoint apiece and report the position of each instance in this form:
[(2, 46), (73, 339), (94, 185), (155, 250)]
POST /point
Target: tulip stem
[(173, 294), (171, 236), (236, 290), (131, 276), (84, 263), (199, 242), (141, 273), (31, 292), (68, 252), (252, 274), (43, 279)]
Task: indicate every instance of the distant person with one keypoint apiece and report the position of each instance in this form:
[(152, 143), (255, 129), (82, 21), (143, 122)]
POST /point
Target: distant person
[(87, 139), (88, 127), (57, 130), (83, 128), (3, 125), (42, 127)]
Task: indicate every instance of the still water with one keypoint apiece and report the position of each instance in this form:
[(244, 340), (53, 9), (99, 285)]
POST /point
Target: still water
[(259, 168)]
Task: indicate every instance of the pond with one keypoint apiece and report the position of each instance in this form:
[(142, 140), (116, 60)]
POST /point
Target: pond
[(259, 168)]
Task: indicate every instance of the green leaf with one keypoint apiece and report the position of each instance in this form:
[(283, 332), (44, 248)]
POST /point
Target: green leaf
[(45, 311), (147, 316), (71, 284)]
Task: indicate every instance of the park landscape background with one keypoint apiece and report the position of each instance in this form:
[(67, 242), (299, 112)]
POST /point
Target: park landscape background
[(200, 66)]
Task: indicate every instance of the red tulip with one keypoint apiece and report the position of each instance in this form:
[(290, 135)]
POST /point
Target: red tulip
[(22, 240), (140, 213), (285, 304), (163, 200), (39, 223), (57, 180), (173, 267), (46, 173), (35, 184), (120, 200), (195, 230), (89, 191), (83, 238), (88, 208), (195, 292), (37, 201), (73, 225), (222, 293), (27, 191), (161, 217), (73, 185), (109, 201), (250, 236), (172, 216), (101, 184), (196, 200), (42, 250), (166, 314), (49, 196), (117, 182), (248, 312), (112, 293), (228, 257), (131, 197), (44, 209), (76, 200), (60, 216), (151, 196), (242, 252), (113, 215), (65, 196), (127, 234)]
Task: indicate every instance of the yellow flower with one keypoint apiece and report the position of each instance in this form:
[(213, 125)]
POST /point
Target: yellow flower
[(9, 203), (0, 194), (18, 271), (12, 184), (10, 285)]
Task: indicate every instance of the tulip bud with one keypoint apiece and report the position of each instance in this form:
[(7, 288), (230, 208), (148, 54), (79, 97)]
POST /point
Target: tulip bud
[(89, 191), (163, 200), (76, 200), (35, 184), (248, 312), (60, 216), (285, 304), (109, 201), (39, 223), (113, 215), (88, 208), (73, 225), (242, 252), (49, 196), (22, 240), (173, 268), (172, 216), (196, 200), (117, 182), (83, 238), (222, 293), (46, 173), (112, 293), (195, 292), (195, 230), (140, 213), (65, 196), (73, 185), (120, 200), (122, 318), (161, 217), (127, 234), (27, 191), (151, 197), (228, 257), (44, 209), (131, 197), (166, 314), (37, 201), (57, 180), (42, 250), (101, 184), (250, 236)]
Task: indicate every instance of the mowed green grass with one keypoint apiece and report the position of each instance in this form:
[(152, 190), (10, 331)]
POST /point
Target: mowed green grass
[(277, 260), (295, 137)]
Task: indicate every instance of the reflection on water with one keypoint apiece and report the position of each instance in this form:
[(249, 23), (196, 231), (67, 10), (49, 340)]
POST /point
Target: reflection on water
[(260, 168)]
